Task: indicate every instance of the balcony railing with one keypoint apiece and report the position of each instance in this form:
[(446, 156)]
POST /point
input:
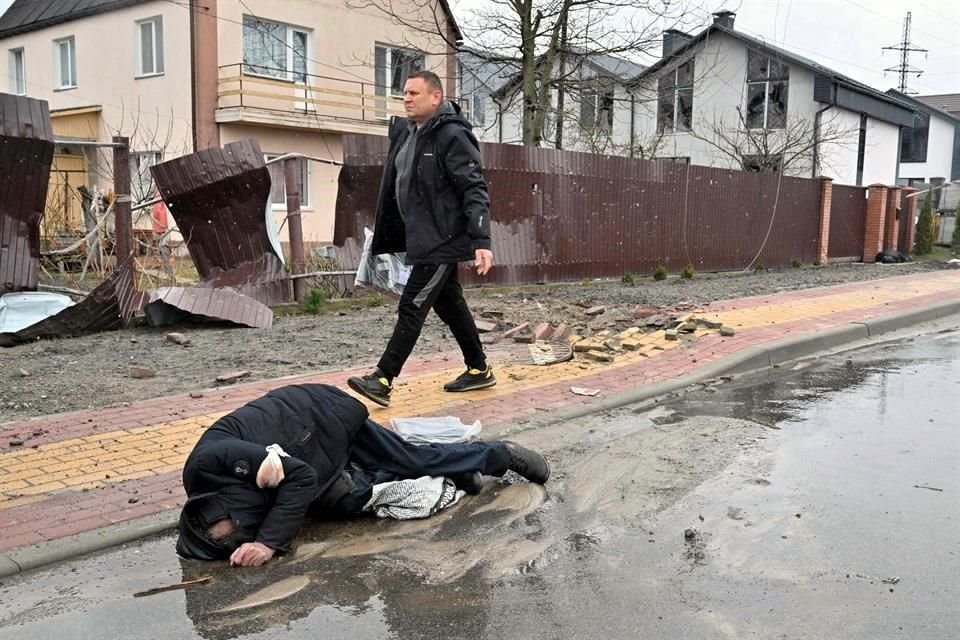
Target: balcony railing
[(322, 97)]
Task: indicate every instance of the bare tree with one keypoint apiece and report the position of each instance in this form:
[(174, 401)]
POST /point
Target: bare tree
[(541, 36), (793, 149)]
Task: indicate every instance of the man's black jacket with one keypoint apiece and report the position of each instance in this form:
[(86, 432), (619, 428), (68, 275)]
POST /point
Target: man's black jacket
[(315, 424), (447, 208)]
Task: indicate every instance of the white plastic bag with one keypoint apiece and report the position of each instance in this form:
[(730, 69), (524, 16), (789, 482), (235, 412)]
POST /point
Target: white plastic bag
[(386, 271), (446, 429)]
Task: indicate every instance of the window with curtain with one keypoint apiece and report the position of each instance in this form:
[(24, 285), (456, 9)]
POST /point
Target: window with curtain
[(275, 50), (150, 46), (65, 52)]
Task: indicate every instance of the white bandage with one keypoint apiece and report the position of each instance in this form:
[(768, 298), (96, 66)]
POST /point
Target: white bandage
[(270, 474)]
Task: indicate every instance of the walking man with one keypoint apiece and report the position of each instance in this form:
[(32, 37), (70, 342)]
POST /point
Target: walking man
[(434, 205), (310, 450)]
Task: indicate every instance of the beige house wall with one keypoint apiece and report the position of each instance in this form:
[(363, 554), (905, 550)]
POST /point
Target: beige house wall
[(155, 111)]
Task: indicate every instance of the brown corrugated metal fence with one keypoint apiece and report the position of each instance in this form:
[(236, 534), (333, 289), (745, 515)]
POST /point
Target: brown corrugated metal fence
[(561, 215), (848, 222), (26, 152)]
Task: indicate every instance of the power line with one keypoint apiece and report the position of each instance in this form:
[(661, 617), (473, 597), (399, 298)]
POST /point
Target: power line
[(905, 48), (926, 33)]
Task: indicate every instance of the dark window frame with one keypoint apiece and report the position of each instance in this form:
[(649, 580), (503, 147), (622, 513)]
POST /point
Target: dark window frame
[(915, 140), (673, 116), (772, 78)]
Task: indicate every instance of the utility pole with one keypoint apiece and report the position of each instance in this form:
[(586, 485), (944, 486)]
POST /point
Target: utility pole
[(904, 68), (561, 86)]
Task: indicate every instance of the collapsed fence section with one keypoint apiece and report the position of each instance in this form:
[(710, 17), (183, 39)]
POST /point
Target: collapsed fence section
[(561, 215)]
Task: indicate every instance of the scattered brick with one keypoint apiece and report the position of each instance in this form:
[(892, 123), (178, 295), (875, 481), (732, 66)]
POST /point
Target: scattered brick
[(600, 356), (628, 333), (561, 332), (588, 345), (489, 338), (727, 332), (177, 338), (525, 337), (644, 311), (687, 327), (631, 344), (196, 394), (485, 327), (573, 339), (595, 311), (709, 324), (671, 334), (542, 331), (227, 378), (142, 372), (520, 328), (491, 313), (24, 373)]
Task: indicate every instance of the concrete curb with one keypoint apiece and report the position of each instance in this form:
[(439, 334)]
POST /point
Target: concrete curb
[(748, 360)]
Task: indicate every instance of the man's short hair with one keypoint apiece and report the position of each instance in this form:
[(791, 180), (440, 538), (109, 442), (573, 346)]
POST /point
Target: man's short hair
[(432, 80)]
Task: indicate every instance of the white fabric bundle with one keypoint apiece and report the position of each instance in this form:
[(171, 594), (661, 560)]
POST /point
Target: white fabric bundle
[(270, 474), (447, 429)]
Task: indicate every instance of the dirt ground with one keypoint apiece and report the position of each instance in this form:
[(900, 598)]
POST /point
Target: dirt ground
[(94, 371)]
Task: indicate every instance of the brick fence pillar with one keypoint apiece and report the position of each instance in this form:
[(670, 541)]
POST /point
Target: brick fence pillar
[(826, 202), (891, 226), (908, 219), (876, 213)]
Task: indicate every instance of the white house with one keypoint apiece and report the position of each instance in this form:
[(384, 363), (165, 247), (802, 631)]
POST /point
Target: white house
[(723, 98), (596, 105), (930, 150)]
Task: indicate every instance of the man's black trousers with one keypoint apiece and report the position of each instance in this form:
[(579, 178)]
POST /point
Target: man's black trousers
[(380, 455), (437, 287)]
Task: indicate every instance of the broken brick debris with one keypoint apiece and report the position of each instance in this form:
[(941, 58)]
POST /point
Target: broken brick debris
[(542, 331), (561, 332), (671, 334), (485, 327), (177, 338), (727, 332), (233, 376), (141, 373), (600, 356), (595, 311), (520, 328), (644, 311)]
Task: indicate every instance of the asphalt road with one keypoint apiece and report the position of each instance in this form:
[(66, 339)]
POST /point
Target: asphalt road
[(821, 501)]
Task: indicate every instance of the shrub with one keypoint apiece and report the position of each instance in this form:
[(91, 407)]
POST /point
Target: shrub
[(759, 267), (924, 243), (796, 263), (628, 279), (375, 300), (660, 273), (313, 301), (688, 272)]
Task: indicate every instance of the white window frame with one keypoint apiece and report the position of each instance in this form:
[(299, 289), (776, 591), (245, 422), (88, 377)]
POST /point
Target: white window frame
[(157, 53), (388, 65), (141, 177), (288, 72), (71, 48), (18, 71), (305, 192)]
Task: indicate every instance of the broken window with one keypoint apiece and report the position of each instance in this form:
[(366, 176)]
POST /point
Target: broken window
[(761, 163), (596, 108), (675, 99), (913, 140), (141, 181), (275, 50), (767, 87)]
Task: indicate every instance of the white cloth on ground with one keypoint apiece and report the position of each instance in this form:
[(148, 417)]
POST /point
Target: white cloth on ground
[(413, 499), (445, 429)]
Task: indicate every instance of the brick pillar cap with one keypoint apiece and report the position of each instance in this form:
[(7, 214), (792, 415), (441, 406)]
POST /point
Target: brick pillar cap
[(825, 178), (878, 185), (909, 189)]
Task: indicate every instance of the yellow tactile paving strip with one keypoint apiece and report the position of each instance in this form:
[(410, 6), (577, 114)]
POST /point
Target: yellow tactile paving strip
[(99, 460)]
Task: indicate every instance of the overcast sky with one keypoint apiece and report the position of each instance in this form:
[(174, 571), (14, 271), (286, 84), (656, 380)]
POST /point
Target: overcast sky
[(848, 35)]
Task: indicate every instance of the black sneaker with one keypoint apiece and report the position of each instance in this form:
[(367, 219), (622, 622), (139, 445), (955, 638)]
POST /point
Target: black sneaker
[(471, 481), (471, 380), (372, 386), (528, 463)]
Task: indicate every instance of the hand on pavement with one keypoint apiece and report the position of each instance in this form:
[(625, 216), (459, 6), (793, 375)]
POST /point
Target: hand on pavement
[(251, 554), (484, 260)]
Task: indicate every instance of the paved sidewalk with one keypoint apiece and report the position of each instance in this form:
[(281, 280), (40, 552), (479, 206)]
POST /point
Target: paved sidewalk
[(87, 470)]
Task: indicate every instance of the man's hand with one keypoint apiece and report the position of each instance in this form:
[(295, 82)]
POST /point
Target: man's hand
[(251, 554), (484, 260)]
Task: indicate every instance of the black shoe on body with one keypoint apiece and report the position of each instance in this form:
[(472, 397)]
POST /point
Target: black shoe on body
[(528, 463), (471, 481), (471, 380), (373, 386)]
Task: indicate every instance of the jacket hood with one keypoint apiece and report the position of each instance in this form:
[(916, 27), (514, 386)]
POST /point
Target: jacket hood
[(449, 112)]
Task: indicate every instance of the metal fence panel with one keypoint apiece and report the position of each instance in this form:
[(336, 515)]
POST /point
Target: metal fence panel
[(848, 222)]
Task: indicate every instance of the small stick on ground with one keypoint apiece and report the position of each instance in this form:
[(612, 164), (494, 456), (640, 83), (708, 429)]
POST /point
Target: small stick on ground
[(923, 486), (172, 587)]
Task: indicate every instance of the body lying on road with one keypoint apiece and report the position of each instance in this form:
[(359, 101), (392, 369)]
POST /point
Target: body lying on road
[(311, 450)]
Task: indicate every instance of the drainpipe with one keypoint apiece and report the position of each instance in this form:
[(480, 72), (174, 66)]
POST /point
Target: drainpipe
[(193, 74), (633, 124), (499, 121), (816, 140)]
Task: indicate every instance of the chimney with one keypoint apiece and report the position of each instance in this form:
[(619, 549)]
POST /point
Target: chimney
[(724, 19), (673, 39)]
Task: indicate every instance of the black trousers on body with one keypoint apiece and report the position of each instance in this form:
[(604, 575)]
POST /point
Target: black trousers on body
[(437, 287), (380, 455)]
